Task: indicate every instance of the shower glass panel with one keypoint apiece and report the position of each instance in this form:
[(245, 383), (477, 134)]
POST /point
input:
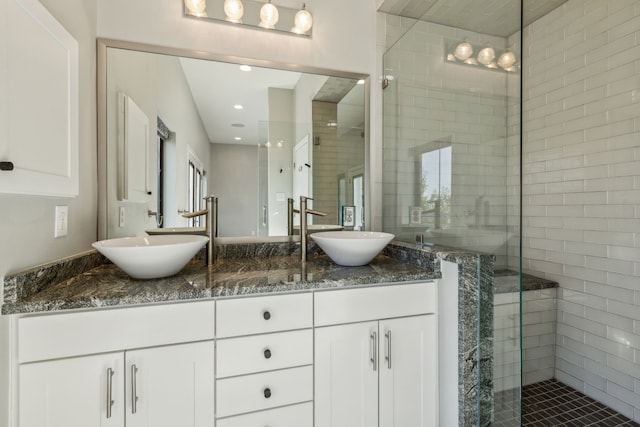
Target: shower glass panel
[(452, 168)]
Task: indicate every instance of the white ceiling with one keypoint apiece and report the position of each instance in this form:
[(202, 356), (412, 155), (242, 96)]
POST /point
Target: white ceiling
[(217, 86), (493, 17)]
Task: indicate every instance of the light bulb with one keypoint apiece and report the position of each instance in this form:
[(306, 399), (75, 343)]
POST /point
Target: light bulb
[(196, 7), (303, 21), (234, 11), (506, 60), (463, 51), (486, 56), (269, 16)]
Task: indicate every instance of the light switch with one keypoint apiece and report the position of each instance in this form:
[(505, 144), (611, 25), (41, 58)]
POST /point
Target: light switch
[(61, 221)]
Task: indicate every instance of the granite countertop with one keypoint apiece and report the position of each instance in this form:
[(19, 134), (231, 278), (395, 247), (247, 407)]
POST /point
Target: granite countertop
[(106, 285)]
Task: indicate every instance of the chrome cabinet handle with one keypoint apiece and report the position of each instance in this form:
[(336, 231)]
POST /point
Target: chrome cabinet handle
[(266, 315), (373, 350), (267, 393), (134, 387), (267, 354), (110, 401), (387, 355)]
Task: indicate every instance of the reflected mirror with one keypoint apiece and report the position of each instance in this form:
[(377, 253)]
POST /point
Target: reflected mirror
[(176, 126)]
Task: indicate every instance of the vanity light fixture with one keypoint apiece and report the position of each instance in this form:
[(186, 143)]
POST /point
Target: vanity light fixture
[(303, 21), (269, 16), (196, 7), (263, 15), (463, 53), (234, 10)]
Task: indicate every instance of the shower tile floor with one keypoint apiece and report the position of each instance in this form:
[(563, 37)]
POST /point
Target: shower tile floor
[(551, 403)]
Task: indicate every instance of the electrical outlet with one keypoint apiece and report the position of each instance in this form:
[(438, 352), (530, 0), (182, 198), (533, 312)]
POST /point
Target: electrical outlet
[(121, 220), (61, 221)]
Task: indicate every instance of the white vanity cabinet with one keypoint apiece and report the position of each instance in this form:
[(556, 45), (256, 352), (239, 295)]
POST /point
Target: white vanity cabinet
[(264, 361), (146, 366), (375, 357)]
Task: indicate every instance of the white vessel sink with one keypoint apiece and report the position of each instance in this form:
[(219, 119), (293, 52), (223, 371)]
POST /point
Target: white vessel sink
[(151, 257), (201, 231), (352, 248)]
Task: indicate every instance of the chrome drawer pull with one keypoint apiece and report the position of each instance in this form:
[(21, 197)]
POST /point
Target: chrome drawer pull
[(134, 391), (373, 350), (267, 393), (110, 401), (267, 354), (266, 315), (387, 356)]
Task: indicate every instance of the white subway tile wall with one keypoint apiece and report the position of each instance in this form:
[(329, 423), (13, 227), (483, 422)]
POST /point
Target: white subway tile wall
[(538, 337), (581, 176), (431, 103)]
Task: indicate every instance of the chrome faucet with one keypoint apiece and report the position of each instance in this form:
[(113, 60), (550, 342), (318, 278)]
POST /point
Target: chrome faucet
[(159, 217), (303, 225), (211, 215), (290, 211)]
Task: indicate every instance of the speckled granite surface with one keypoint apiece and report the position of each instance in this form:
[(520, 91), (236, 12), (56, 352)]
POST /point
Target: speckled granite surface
[(106, 285), (88, 281)]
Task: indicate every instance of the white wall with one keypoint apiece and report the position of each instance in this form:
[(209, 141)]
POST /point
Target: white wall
[(156, 83), (581, 190)]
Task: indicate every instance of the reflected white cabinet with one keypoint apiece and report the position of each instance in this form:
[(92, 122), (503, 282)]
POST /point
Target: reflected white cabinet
[(39, 102), (154, 387), (371, 372)]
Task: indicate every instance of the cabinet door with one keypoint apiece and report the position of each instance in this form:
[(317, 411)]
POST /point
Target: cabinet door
[(346, 377), (39, 102), (408, 376), (171, 386), (73, 392)]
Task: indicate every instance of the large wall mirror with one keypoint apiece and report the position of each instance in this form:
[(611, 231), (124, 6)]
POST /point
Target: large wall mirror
[(176, 125)]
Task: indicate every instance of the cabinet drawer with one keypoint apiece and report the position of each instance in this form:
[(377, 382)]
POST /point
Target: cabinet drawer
[(372, 303), (53, 336), (267, 390), (289, 416), (247, 355), (246, 316)]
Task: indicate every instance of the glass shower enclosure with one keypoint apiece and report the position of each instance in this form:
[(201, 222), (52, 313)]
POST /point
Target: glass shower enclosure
[(451, 155)]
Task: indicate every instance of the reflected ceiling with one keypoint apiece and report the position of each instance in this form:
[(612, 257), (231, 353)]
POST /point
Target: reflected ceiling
[(495, 17)]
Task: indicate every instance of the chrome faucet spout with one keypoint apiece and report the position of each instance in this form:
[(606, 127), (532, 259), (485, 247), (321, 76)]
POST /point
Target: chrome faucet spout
[(303, 225), (211, 227)]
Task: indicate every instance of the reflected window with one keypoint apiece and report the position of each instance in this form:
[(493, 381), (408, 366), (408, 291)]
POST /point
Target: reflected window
[(435, 187), (197, 191), (358, 201)]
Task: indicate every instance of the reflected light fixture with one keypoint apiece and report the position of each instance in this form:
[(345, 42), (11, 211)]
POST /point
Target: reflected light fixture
[(196, 7), (245, 68), (234, 10), (463, 51), (268, 16), (238, 107), (486, 56), (303, 21), (507, 59)]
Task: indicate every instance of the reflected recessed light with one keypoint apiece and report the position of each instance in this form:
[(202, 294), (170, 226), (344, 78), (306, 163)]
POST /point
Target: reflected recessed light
[(267, 144), (245, 68), (237, 125), (238, 107), (361, 82), (237, 138)]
